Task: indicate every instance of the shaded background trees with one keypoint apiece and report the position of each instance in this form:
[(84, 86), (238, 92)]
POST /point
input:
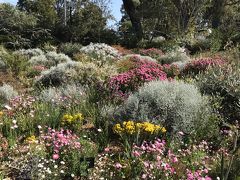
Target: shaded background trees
[(196, 24), (174, 19)]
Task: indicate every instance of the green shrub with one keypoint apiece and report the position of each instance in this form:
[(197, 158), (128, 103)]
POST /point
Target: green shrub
[(57, 58), (62, 95), (176, 105), (15, 62), (224, 82), (70, 48)]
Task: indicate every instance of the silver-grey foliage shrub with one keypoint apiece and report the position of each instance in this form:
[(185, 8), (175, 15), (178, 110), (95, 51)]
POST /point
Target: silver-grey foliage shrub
[(140, 57), (101, 51), (57, 75), (49, 59), (40, 60), (176, 105), (63, 94), (57, 58), (75, 72), (6, 93), (30, 52), (174, 57)]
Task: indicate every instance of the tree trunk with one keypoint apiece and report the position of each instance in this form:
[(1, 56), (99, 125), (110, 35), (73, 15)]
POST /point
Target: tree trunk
[(135, 19), (217, 13)]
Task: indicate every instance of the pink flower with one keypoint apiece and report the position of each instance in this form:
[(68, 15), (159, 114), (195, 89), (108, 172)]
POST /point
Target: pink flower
[(175, 159), (118, 166), (136, 154), (107, 149), (55, 156)]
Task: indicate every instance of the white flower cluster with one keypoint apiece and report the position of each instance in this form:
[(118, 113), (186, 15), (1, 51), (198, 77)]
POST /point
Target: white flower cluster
[(101, 50)]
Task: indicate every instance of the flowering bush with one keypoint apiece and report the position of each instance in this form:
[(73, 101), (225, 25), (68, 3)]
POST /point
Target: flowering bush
[(124, 83), (152, 52), (133, 61), (200, 65)]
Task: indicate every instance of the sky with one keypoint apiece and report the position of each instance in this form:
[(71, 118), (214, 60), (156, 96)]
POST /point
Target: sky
[(115, 7)]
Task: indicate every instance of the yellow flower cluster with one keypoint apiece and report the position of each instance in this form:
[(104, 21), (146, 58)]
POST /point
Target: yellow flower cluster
[(131, 127), (1, 113), (70, 119), (31, 139)]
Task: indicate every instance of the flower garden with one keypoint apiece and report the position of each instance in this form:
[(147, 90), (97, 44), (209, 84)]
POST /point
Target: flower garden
[(102, 114)]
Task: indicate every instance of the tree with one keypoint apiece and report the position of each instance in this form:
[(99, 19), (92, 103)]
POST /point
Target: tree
[(131, 7), (13, 24), (44, 10)]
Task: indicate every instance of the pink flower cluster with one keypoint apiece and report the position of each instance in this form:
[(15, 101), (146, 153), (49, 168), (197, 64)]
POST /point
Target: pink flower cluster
[(21, 103), (124, 83), (39, 68), (152, 52), (154, 159), (202, 64), (61, 141), (198, 175)]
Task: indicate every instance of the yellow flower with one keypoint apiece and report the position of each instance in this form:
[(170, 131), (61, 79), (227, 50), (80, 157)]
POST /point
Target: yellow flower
[(78, 116), (1, 113), (31, 139), (149, 127), (163, 130), (118, 129), (139, 126), (129, 127)]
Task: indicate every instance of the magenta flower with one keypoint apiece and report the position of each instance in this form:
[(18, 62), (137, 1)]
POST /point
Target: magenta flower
[(201, 65), (123, 84)]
